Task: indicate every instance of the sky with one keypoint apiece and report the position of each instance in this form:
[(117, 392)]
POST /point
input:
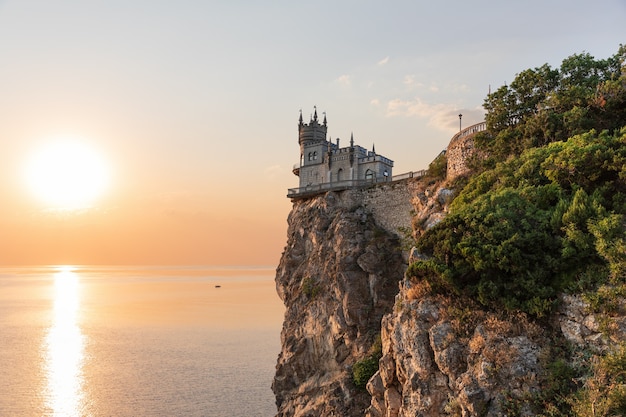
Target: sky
[(193, 107)]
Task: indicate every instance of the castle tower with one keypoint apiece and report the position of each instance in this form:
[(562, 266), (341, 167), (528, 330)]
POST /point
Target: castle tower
[(314, 150), (311, 134)]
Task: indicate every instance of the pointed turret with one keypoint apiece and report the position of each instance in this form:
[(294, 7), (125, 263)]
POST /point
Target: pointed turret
[(351, 149), (312, 133)]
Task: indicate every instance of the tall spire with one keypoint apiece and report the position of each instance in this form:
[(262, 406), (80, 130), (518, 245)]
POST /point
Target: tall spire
[(315, 114), (351, 140), (374, 148), (324, 118), (300, 120)]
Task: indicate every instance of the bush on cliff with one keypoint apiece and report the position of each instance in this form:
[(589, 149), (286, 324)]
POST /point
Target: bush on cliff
[(531, 227), (547, 212), (604, 393), (364, 369)]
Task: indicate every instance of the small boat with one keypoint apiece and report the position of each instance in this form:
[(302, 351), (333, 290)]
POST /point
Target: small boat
[(218, 286)]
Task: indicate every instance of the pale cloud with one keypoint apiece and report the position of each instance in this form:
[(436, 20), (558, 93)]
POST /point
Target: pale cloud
[(345, 80), (472, 116), (439, 116), (409, 80), (375, 102), (383, 61), (273, 171), (413, 108)]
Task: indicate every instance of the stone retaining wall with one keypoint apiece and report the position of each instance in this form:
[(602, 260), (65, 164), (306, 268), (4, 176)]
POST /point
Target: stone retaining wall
[(389, 203)]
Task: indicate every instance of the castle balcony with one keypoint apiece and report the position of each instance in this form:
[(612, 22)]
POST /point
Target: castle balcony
[(296, 170), (314, 189)]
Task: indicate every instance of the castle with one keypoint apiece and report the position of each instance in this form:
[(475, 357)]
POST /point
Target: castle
[(325, 166)]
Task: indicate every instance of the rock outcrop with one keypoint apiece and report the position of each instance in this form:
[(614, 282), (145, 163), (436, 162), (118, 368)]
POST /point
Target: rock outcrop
[(337, 277), (441, 357)]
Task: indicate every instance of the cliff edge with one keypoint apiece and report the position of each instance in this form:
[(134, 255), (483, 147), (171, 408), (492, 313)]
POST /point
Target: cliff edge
[(337, 277)]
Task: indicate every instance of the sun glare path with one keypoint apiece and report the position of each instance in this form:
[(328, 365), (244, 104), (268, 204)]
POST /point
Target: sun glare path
[(64, 348), (67, 174)]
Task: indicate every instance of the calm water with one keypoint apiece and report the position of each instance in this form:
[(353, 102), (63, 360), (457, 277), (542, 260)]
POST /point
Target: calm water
[(102, 341)]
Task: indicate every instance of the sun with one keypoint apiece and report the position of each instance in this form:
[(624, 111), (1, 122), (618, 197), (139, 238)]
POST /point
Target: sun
[(67, 174)]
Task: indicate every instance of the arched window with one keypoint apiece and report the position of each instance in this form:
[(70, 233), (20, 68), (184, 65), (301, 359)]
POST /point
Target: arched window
[(310, 156), (340, 174), (369, 174), (315, 156)]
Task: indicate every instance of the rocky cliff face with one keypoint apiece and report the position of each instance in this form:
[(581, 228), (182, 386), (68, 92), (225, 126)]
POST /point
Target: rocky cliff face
[(341, 278), (445, 356), (337, 277), (442, 357)]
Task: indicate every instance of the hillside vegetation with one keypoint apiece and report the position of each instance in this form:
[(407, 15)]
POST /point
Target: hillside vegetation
[(546, 207), (544, 213)]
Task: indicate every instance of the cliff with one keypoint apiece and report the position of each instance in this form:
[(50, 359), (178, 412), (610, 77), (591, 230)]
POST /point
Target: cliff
[(338, 276), (342, 279)]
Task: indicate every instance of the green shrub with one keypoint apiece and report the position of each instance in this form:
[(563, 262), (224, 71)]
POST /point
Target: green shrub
[(438, 167), (519, 234), (310, 287), (604, 392), (364, 369)]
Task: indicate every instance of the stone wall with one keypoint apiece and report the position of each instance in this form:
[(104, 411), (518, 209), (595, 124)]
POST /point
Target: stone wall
[(388, 203), (457, 154), (460, 149)]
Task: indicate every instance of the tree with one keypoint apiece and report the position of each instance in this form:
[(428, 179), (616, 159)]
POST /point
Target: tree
[(544, 105)]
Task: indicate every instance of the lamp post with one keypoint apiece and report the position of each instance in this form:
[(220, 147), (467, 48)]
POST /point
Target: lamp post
[(460, 116)]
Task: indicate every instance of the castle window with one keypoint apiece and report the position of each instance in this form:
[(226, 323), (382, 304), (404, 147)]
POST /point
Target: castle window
[(340, 174), (310, 156), (369, 174), (315, 156)]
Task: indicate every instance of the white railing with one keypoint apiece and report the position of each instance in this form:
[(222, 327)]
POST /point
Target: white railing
[(412, 174), (478, 127), (346, 184)]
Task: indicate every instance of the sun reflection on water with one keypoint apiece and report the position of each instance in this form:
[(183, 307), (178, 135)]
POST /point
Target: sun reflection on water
[(64, 348)]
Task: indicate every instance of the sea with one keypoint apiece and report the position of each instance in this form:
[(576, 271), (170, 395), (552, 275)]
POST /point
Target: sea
[(138, 341)]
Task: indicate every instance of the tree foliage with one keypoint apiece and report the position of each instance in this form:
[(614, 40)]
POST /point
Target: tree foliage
[(550, 206), (518, 234), (545, 104)]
